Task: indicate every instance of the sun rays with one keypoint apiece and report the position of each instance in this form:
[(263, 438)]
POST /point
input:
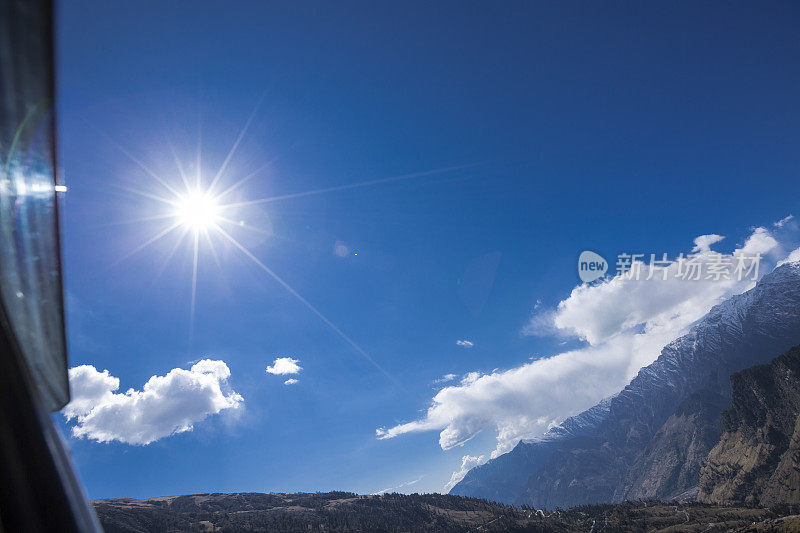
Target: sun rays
[(193, 210)]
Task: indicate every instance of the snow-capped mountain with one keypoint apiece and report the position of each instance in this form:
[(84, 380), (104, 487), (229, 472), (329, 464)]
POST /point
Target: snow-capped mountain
[(503, 479), (658, 429)]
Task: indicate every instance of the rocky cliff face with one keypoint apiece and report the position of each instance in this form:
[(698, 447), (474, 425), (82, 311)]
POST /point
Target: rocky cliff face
[(503, 479), (623, 458), (757, 459), (669, 466)]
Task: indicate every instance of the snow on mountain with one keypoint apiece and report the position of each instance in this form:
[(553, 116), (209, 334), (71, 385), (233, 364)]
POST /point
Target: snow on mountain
[(607, 453)]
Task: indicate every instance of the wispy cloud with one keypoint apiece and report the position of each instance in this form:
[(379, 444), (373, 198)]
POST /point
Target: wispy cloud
[(445, 378), (166, 405), (468, 462), (624, 323), (465, 343), (398, 487), (782, 222)]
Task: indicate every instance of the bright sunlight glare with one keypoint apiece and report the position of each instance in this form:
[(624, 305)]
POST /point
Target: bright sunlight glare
[(201, 213), (197, 210)]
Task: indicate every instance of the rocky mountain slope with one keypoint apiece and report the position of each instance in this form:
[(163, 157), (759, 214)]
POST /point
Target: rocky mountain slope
[(669, 466), (616, 462), (757, 460), (658, 429), (503, 479)]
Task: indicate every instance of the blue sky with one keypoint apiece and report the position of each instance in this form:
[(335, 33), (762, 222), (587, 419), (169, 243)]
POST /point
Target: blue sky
[(543, 129)]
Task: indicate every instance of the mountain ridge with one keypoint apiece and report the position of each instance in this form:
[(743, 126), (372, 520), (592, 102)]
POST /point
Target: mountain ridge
[(745, 330), (653, 439), (503, 478)]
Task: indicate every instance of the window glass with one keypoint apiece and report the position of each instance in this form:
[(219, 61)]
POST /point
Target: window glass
[(30, 279)]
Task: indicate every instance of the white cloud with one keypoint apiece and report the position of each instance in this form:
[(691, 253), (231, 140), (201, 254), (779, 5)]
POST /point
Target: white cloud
[(468, 462), (166, 405), (465, 343), (471, 377), (596, 313), (782, 222), (88, 388), (625, 323), (291, 381), (284, 365), (400, 486), (760, 241), (703, 242), (445, 378), (524, 402)]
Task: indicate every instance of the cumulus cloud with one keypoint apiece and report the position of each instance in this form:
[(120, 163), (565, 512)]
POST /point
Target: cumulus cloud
[(468, 462), (88, 388), (465, 343), (166, 405), (291, 381), (760, 242), (284, 365), (624, 321)]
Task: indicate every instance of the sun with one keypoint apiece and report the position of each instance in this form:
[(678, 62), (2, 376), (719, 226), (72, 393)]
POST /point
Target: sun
[(203, 216), (198, 210)]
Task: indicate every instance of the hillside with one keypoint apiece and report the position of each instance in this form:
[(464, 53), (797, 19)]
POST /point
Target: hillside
[(344, 512), (334, 511)]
